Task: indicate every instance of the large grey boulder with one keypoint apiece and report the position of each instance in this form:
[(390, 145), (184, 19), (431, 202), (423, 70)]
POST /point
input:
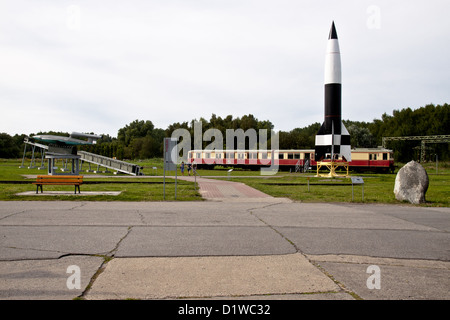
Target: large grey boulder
[(411, 183)]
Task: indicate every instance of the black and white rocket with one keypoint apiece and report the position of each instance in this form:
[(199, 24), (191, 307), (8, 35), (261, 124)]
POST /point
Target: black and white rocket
[(333, 139)]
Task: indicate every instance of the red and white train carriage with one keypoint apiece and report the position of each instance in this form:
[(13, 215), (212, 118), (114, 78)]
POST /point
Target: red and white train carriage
[(374, 159)]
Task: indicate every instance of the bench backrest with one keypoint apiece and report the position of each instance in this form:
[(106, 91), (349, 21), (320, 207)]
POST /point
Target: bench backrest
[(62, 179)]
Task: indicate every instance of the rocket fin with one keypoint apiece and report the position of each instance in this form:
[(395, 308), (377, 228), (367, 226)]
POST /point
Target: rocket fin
[(346, 150), (322, 130)]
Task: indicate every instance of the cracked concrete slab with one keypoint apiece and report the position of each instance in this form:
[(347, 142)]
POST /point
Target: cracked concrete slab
[(243, 229), (399, 279), (45, 279), (413, 244), (46, 242), (185, 277), (334, 215), (202, 241)]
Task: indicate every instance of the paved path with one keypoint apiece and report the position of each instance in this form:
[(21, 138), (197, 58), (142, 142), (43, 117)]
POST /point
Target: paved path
[(226, 190), (246, 245)]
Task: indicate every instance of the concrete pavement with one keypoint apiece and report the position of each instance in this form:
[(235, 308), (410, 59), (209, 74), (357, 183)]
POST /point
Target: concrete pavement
[(240, 245)]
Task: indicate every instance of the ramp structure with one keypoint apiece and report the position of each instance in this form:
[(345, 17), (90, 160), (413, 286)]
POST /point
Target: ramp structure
[(110, 163)]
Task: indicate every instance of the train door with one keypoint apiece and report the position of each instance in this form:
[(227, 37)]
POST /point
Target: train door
[(373, 159)]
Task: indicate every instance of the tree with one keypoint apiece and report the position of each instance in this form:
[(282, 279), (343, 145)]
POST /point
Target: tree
[(8, 146), (428, 120), (140, 139), (361, 137), (136, 129)]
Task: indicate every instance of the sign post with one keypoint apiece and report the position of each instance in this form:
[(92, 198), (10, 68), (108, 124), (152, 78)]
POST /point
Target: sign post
[(358, 180), (170, 161)]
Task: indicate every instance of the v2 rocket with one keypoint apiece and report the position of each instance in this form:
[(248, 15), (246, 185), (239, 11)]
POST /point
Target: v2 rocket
[(333, 139)]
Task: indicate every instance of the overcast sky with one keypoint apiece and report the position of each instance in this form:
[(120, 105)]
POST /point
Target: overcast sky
[(96, 66)]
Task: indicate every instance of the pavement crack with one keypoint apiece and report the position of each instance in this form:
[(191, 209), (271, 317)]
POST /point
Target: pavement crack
[(114, 250), (315, 264), (141, 217), (106, 259), (80, 205), (99, 271), (332, 278), (32, 249), (265, 206), (272, 227), (13, 214)]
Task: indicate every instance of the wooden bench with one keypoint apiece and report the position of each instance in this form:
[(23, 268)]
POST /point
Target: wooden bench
[(59, 180)]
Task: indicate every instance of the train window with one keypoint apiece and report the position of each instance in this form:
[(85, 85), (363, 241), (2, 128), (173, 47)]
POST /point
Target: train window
[(230, 155), (198, 155), (218, 156), (253, 155), (296, 155), (241, 156), (290, 156), (385, 156), (207, 155), (281, 156), (263, 155), (372, 156)]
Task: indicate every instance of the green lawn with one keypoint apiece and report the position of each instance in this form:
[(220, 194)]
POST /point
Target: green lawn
[(132, 188), (378, 188)]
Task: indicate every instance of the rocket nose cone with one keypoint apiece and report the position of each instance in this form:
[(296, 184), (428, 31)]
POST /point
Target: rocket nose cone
[(333, 33)]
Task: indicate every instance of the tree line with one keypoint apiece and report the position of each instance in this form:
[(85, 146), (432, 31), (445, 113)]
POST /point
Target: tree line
[(141, 140)]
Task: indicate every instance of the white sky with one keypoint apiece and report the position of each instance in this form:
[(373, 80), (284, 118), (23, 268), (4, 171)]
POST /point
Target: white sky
[(96, 66)]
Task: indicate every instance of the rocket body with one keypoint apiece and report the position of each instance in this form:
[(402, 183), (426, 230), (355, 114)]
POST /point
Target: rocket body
[(333, 139)]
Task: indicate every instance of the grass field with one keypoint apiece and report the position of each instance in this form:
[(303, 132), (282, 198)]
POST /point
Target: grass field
[(13, 180), (378, 188)]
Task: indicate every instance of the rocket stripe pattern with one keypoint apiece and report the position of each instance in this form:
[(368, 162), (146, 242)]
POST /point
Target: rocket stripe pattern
[(333, 138)]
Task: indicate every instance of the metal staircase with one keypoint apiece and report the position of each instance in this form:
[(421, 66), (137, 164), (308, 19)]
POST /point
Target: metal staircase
[(110, 163)]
